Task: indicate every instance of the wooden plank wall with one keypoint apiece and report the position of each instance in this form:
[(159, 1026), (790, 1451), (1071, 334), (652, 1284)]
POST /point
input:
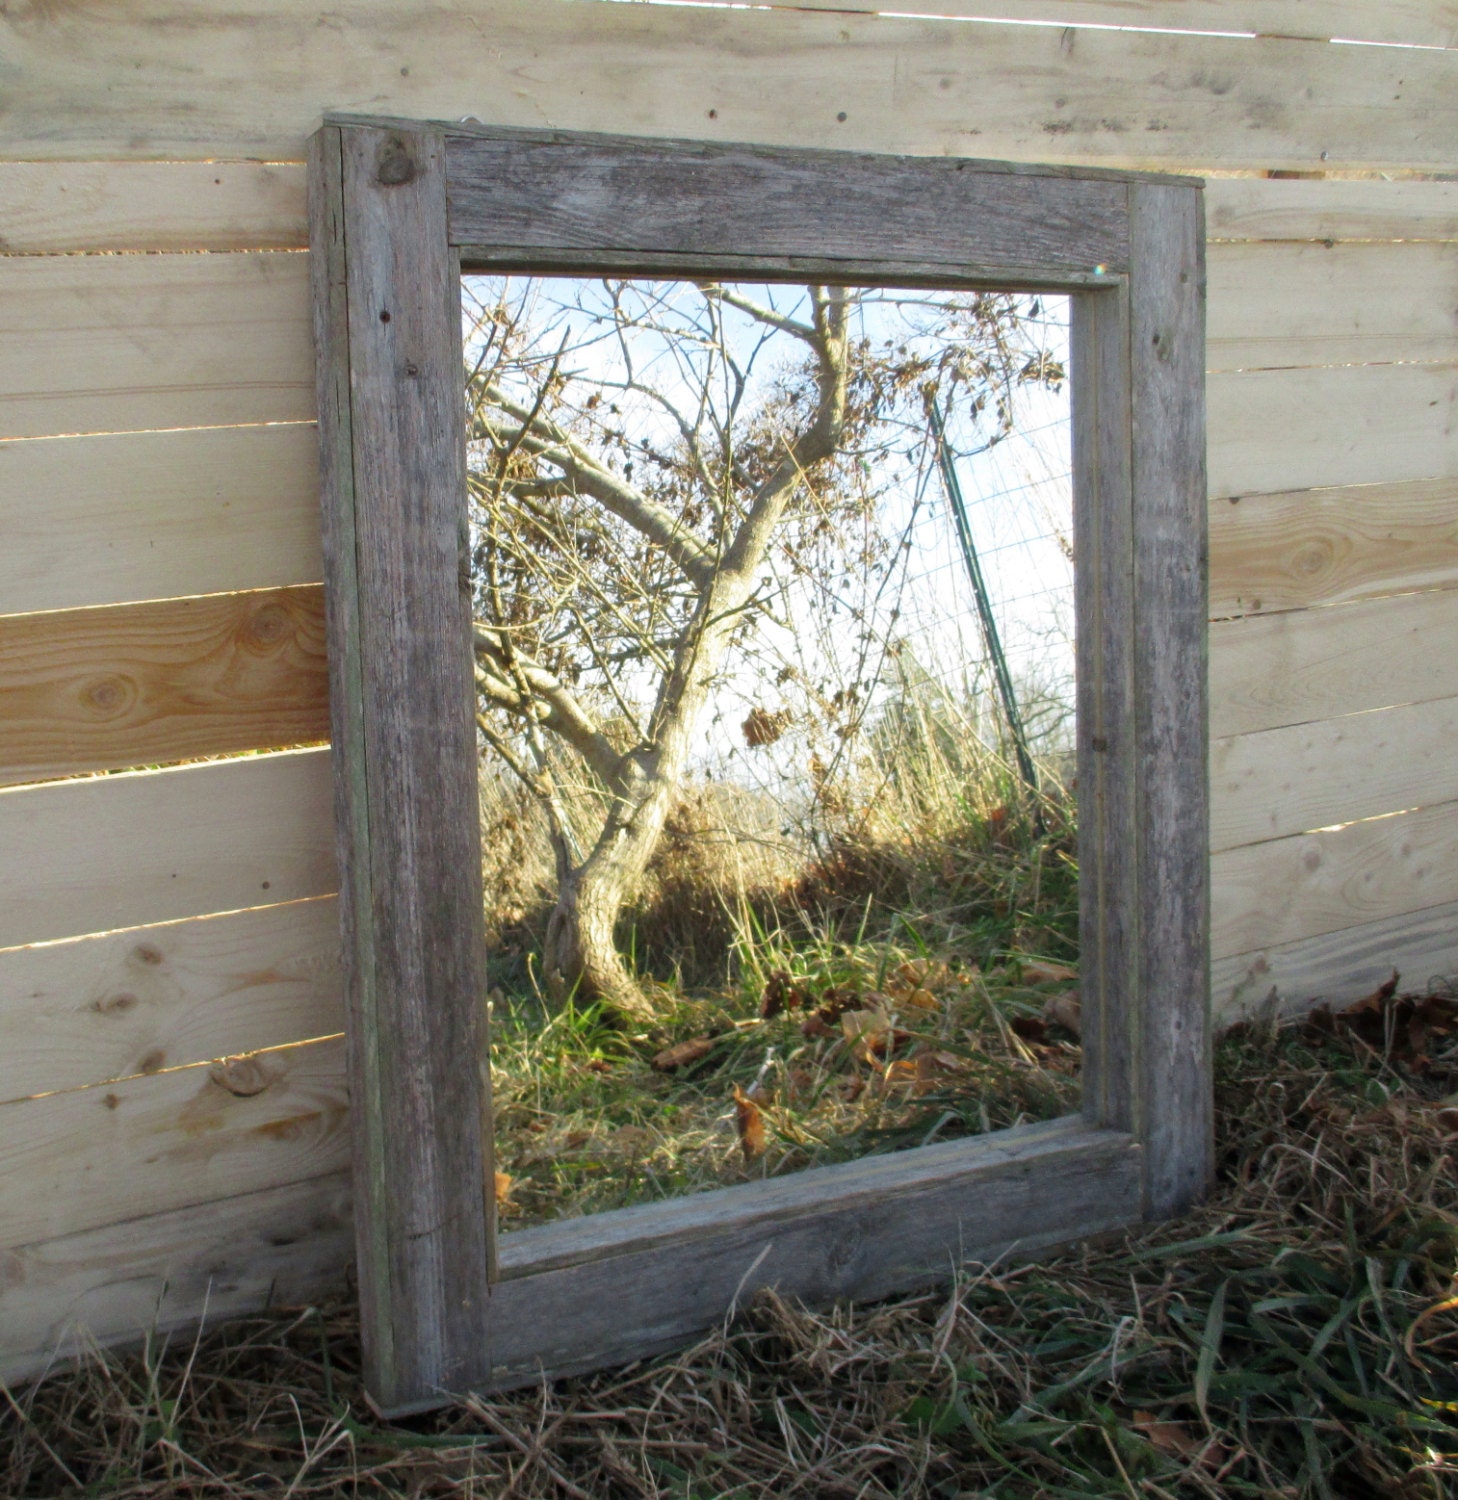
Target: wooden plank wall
[(172, 1130)]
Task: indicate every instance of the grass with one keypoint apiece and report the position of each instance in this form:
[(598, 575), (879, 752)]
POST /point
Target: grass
[(850, 1016), (1295, 1339)]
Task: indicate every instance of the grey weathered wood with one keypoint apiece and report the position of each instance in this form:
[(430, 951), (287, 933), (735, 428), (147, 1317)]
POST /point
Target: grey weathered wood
[(578, 1295), (1103, 528), (1167, 361), (526, 194), (392, 449), (584, 1293)]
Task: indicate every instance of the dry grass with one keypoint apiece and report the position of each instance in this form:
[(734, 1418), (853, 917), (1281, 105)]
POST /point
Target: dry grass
[(1296, 1338)]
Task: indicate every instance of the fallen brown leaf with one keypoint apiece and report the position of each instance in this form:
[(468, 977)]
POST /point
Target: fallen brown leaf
[(681, 1054), (1047, 973), (503, 1190), (749, 1121), (1173, 1438), (1063, 1010), (781, 993)]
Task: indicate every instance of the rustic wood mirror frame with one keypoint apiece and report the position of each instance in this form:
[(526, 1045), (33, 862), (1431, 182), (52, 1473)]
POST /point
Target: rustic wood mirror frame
[(397, 211)]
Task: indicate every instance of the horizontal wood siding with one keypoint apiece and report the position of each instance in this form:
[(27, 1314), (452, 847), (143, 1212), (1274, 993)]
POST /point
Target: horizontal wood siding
[(1298, 668), (94, 1009), (149, 846), (151, 1276), (1424, 23), (1332, 546), (141, 82), (91, 1157), (61, 207), (1283, 781), (156, 515), (1270, 894), (142, 684), (123, 343)]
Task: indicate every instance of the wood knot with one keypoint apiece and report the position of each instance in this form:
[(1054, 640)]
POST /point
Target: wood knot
[(114, 1005), (108, 696), (268, 624), (395, 168), (242, 1076)]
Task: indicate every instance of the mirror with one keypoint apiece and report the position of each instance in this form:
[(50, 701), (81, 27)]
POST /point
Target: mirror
[(773, 591)]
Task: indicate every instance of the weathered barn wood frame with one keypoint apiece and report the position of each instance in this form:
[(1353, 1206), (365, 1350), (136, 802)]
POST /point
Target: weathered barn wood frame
[(398, 210)]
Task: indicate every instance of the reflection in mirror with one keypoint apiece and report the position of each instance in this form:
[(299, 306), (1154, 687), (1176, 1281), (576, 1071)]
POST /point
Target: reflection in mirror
[(773, 592)]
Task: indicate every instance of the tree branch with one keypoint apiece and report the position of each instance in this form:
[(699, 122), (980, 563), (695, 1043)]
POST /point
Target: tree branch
[(552, 704)]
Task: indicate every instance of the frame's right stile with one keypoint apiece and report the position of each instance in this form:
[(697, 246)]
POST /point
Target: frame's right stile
[(394, 205)]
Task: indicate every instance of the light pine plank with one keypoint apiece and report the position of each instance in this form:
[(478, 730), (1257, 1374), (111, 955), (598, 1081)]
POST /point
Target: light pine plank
[(162, 1274), (149, 846), (122, 343), (1304, 429), (90, 1157), (1282, 305), (1332, 546), (1263, 208), (156, 515), (1425, 23), (1338, 967), (1285, 781), (57, 208), (1267, 895), (143, 684), (1267, 671), (89, 84), (98, 1008)]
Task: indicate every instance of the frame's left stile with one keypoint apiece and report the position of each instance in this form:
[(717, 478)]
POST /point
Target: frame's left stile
[(392, 435), (396, 209)]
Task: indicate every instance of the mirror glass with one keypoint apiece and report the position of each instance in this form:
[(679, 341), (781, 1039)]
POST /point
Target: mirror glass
[(773, 592)]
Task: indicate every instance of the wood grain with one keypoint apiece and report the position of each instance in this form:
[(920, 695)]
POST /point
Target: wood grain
[(149, 846), (1282, 305), (524, 194), (98, 1008), (141, 81), (90, 1157), (392, 443), (585, 1293), (1271, 894), (1305, 429), (1285, 781), (156, 515), (1426, 23), (159, 1275), (64, 207), (1171, 807), (1267, 671), (142, 684), (58, 208), (1332, 546), (1261, 208), (123, 343), (1103, 587), (1338, 967)]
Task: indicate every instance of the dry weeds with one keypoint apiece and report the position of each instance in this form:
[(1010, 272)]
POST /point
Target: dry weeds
[(1295, 1338)]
